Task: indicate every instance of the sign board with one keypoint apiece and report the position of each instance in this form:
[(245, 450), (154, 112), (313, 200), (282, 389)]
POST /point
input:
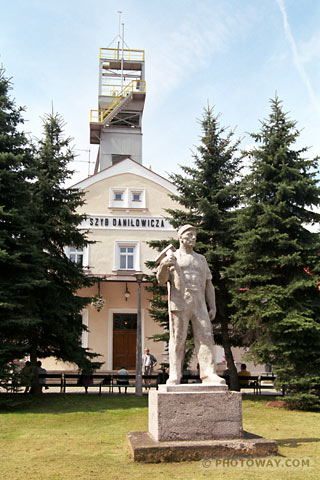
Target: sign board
[(125, 223)]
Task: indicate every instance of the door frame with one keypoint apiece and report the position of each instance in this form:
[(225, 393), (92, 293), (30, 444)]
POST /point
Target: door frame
[(110, 330)]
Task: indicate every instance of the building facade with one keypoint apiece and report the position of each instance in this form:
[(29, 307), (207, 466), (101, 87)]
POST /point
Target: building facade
[(125, 205), (125, 210)]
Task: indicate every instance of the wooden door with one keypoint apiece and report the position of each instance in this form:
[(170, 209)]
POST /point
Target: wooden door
[(124, 341)]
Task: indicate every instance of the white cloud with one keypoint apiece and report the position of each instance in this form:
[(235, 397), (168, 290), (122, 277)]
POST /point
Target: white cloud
[(310, 50), (190, 47), (297, 58)]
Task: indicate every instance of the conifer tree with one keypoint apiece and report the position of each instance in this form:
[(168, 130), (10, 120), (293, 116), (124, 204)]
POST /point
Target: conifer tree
[(57, 327), (39, 308), (209, 196), (277, 268), (16, 232)]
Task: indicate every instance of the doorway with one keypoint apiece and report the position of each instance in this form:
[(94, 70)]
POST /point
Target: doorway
[(124, 340)]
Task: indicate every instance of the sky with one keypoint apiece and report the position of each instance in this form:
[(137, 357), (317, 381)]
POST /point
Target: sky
[(234, 55)]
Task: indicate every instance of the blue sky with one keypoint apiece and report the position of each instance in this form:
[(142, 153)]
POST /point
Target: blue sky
[(232, 54)]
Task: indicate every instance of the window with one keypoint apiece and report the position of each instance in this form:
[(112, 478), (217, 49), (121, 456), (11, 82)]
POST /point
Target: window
[(118, 196), (124, 321), (77, 255), (127, 256), (136, 196), (126, 198)]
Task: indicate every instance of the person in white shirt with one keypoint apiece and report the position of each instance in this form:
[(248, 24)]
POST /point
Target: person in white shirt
[(149, 361)]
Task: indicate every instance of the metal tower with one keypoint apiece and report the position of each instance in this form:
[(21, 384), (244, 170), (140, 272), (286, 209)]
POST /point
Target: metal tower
[(116, 125)]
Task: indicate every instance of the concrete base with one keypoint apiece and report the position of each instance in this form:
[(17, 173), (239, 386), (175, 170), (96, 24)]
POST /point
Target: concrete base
[(194, 412), (145, 449)]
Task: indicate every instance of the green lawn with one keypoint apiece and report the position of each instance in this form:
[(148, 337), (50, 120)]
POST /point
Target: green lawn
[(68, 437)]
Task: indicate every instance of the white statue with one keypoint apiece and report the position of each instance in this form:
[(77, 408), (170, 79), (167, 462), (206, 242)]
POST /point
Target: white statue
[(190, 290)]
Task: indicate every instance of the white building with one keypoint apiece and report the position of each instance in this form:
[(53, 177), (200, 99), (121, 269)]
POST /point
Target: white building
[(125, 208)]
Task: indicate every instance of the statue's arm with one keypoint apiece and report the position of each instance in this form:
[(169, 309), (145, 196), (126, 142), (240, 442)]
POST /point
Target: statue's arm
[(211, 299), (163, 273)]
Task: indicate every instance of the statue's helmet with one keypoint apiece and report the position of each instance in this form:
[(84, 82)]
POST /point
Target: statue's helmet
[(185, 228)]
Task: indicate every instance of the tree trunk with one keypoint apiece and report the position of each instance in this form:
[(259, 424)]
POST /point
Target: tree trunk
[(233, 374), (35, 385)]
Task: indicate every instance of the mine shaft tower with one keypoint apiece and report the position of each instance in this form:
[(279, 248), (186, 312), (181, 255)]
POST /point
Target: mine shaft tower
[(116, 125)]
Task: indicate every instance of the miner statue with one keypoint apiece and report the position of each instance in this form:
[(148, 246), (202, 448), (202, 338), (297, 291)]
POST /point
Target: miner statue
[(190, 290)]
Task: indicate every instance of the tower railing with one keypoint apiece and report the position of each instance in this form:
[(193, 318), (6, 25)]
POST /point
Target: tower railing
[(114, 90), (119, 54), (101, 116)]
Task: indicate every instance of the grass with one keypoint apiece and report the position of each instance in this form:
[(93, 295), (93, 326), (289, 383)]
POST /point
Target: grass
[(68, 437)]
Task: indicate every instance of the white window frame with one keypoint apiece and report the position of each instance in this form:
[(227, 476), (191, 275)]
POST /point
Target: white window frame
[(136, 255), (127, 201), (137, 203), (85, 254), (113, 203)]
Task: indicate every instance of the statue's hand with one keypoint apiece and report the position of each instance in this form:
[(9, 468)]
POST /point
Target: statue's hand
[(212, 313), (169, 261)]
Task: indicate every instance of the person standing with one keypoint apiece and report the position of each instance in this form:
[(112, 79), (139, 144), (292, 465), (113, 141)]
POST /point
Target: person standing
[(149, 361)]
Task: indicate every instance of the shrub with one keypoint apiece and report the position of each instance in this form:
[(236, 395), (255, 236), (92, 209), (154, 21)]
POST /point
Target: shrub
[(303, 401)]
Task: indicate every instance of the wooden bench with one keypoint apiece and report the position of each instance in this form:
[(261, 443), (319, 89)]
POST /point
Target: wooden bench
[(267, 382), (250, 381), (51, 380), (14, 383), (101, 380), (260, 382), (104, 380), (79, 380), (129, 381)]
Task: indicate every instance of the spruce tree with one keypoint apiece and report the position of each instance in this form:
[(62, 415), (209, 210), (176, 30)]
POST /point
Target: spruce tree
[(39, 307), (57, 327), (277, 268), (16, 231), (209, 195)]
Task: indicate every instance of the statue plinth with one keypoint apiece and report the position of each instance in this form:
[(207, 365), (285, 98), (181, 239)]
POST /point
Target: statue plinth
[(194, 422), (189, 422), (194, 412)]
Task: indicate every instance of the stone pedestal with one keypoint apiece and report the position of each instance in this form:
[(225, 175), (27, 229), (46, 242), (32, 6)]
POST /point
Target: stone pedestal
[(193, 422), (194, 412), (144, 448)]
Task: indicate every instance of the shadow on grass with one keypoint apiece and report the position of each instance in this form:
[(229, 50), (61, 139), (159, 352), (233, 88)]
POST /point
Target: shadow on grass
[(68, 403), (295, 442), (262, 398), (79, 402)]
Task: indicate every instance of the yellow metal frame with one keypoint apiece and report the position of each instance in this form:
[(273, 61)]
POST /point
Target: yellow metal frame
[(100, 116), (113, 90), (119, 54)]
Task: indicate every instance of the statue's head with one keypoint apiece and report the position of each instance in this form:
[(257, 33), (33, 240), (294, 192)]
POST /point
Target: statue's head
[(187, 235)]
